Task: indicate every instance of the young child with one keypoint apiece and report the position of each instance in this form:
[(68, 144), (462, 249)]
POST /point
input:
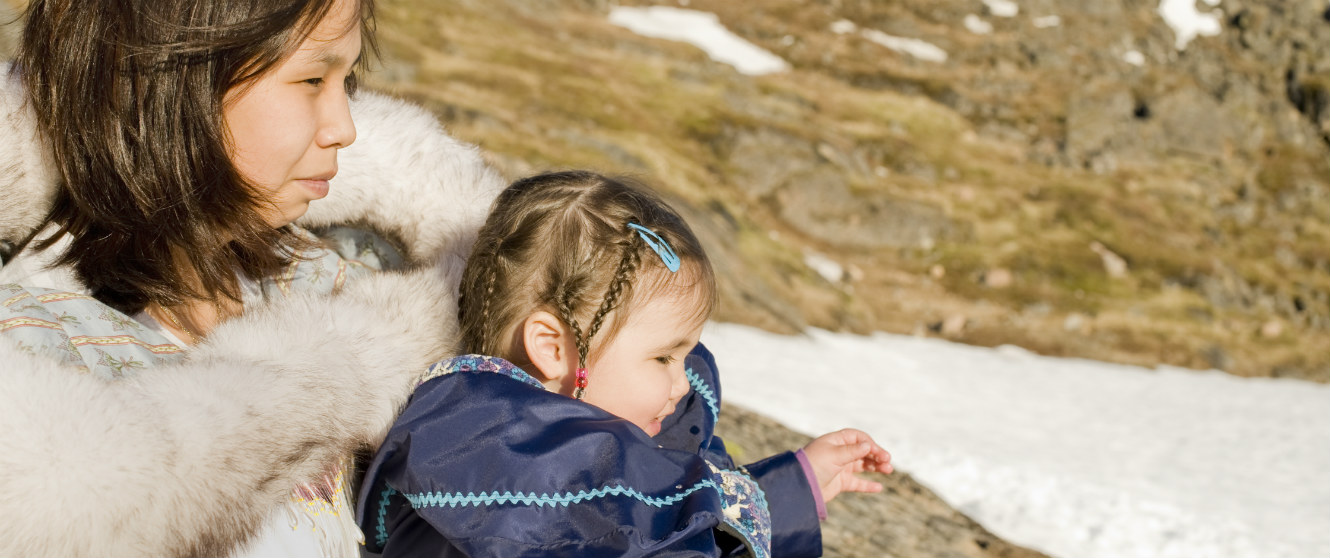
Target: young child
[(588, 430)]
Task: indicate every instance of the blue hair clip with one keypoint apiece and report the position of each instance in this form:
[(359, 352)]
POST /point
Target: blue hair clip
[(658, 244)]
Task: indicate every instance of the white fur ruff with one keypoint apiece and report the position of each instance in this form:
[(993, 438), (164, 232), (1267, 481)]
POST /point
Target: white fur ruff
[(26, 175)]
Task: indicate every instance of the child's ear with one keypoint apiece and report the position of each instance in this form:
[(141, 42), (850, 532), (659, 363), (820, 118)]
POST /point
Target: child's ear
[(550, 348)]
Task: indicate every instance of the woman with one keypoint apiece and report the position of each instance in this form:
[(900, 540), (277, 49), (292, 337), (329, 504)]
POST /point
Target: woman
[(193, 373)]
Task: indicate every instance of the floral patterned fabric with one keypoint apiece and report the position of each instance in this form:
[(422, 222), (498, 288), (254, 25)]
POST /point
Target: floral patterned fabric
[(80, 332), (746, 509), (85, 334)]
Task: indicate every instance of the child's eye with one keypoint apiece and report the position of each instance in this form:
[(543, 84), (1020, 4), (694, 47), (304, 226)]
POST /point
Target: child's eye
[(314, 81), (665, 359)]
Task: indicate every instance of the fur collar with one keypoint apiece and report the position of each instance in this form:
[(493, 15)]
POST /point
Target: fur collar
[(189, 458), (27, 183)]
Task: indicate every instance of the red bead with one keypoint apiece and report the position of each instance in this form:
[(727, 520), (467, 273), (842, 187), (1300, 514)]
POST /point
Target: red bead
[(581, 382)]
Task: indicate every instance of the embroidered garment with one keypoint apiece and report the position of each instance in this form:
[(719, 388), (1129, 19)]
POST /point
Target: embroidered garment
[(80, 332), (83, 333), (485, 462)]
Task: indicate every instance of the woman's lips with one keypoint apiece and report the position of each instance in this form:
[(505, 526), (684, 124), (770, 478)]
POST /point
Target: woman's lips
[(317, 186)]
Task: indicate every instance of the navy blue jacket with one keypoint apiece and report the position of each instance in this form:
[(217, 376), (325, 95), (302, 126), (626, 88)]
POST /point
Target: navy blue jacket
[(492, 464)]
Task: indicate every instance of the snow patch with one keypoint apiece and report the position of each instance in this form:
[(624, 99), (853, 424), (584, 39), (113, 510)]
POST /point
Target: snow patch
[(1069, 456), (1188, 22), (914, 47), (922, 50), (978, 26), (843, 27), (702, 30), (1002, 8), (828, 268), (1043, 22)]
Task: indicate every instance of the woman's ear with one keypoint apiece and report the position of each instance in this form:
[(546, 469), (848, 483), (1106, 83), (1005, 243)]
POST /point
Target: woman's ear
[(551, 349)]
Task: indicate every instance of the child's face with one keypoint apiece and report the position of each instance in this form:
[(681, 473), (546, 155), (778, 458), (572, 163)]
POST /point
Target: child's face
[(286, 127), (639, 376)]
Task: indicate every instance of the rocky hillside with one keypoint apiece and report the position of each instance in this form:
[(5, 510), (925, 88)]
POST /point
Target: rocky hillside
[(1083, 188), (8, 31), (1064, 179)]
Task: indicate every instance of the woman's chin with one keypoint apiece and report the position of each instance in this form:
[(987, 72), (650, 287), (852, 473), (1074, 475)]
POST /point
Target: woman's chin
[(285, 215)]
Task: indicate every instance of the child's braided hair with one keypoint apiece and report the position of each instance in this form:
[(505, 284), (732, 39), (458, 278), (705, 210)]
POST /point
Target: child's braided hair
[(561, 242)]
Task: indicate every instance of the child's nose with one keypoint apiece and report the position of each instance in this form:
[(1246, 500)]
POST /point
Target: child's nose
[(679, 387)]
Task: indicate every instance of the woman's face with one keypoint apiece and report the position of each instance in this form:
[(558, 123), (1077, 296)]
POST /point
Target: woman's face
[(285, 128)]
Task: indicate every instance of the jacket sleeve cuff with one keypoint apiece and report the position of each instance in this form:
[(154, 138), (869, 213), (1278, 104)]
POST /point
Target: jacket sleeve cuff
[(811, 477), (795, 529)]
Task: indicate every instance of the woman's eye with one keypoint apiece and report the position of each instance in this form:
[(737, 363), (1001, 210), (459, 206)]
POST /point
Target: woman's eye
[(352, 84), (314, 81)]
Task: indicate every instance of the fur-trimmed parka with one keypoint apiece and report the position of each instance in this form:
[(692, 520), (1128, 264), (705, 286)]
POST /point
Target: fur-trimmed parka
[(188, 458)]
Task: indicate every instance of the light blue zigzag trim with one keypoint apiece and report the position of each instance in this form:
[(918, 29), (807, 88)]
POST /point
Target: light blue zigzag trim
[(455, 499), (705, 391), (477, 363), (381, 531)]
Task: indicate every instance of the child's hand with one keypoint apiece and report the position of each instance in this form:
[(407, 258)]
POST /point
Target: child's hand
[(837, 456)]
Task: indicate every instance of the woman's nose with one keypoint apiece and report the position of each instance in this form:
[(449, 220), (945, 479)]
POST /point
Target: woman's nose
[(337, 130)]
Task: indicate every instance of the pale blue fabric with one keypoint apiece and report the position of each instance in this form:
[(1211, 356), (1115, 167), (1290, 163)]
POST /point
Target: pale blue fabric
[(81, 332)]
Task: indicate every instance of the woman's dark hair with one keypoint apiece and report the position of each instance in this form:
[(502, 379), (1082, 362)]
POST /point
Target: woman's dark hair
[(129, 96), (561, 242)]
